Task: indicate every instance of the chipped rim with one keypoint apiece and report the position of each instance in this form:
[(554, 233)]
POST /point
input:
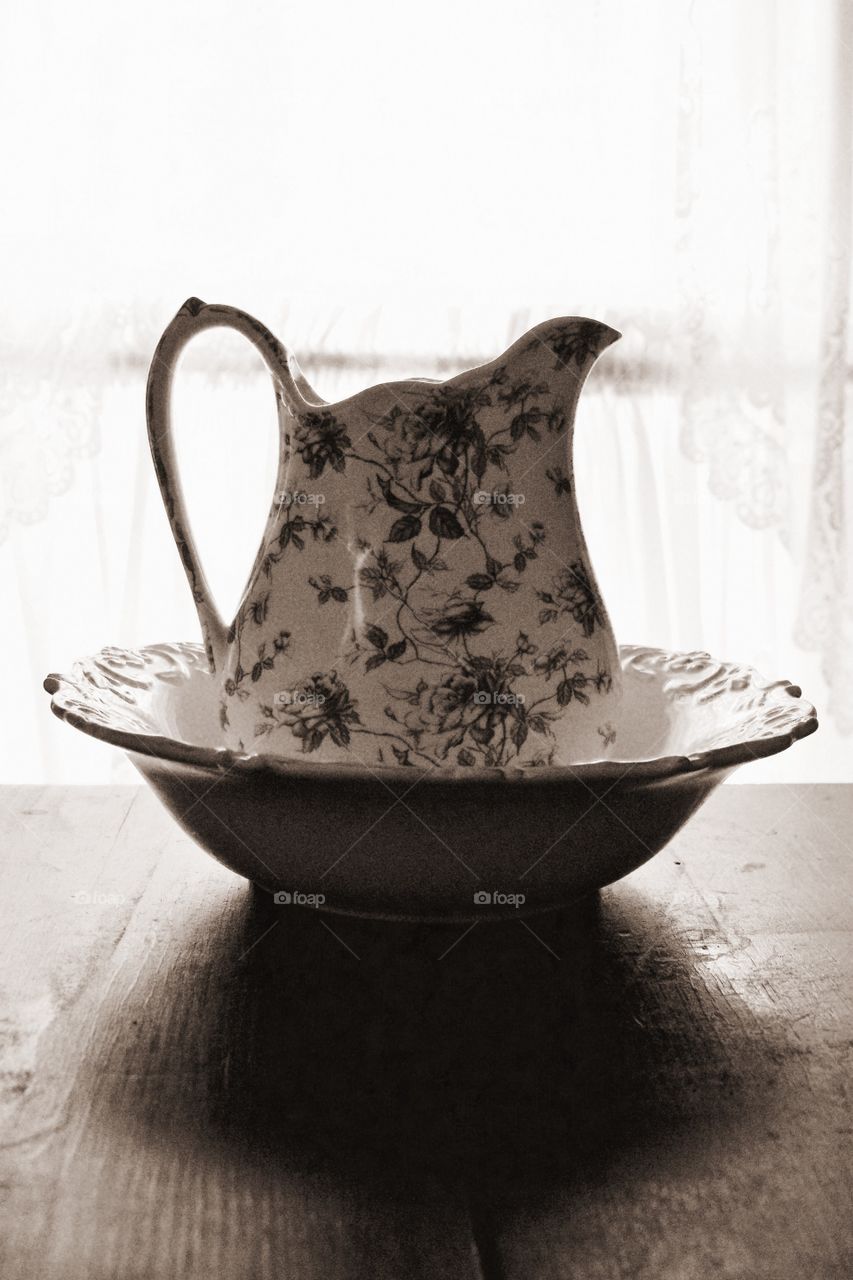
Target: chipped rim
[(226, 760)]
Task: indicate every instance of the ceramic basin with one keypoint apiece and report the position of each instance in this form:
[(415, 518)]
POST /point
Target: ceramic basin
[(434, 844)]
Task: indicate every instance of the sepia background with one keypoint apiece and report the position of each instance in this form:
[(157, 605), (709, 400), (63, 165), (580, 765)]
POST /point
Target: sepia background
[(680, 171)]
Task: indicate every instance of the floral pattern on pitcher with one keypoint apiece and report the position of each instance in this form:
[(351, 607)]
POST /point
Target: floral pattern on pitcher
[(423, 595)]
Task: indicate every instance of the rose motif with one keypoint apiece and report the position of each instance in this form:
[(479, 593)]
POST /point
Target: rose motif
[(445, 707)]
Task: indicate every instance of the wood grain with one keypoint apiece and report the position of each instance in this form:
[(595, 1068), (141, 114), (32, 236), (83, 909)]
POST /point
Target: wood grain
[(194, 1082)]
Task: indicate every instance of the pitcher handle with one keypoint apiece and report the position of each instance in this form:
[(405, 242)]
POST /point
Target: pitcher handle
[(193, 317)]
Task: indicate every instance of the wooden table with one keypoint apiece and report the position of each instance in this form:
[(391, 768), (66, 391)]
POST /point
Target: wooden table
[(198, 1083)]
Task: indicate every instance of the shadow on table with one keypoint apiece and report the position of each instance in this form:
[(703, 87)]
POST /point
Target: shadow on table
[(506, 1060)]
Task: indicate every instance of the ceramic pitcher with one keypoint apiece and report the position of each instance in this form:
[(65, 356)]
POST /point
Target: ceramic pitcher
[(423, 594)]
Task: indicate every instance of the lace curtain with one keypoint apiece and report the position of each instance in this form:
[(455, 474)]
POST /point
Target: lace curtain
[(397, 196)]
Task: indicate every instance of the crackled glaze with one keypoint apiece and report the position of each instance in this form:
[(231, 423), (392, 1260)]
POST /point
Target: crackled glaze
[(423, 594)]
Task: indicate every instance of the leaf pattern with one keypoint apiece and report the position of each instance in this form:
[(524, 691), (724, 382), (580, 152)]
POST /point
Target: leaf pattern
[(451, 565)]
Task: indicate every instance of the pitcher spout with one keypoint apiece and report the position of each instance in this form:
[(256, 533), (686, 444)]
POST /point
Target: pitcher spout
[(574, 341)]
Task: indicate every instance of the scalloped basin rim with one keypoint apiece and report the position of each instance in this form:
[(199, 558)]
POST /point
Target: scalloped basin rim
[(87, 702)]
